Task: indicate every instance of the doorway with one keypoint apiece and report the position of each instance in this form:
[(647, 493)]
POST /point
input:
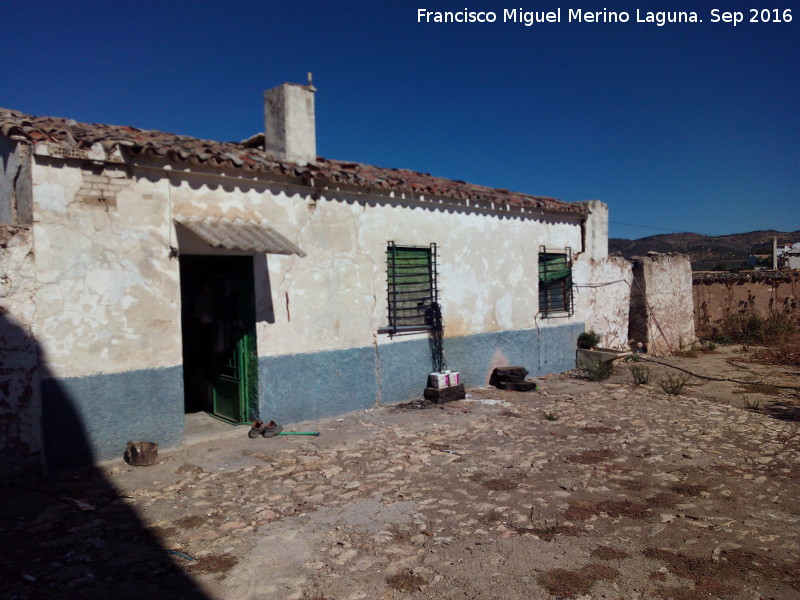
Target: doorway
[(220, 361)]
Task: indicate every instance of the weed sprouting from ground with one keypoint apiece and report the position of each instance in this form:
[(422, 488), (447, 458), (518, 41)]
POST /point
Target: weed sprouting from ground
[(598, 370), (751, 404), (551, 416), (673, 384), (641, 374)]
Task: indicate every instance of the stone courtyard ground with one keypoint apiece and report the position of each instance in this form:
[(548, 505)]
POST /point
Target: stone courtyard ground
[(580, 490)]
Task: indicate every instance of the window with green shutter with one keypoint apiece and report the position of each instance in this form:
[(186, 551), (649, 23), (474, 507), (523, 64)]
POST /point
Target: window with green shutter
[(555, 283), (411, 288)]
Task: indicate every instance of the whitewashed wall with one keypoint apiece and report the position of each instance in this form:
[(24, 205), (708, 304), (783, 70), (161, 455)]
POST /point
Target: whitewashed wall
[(106, 290), (109, 294)]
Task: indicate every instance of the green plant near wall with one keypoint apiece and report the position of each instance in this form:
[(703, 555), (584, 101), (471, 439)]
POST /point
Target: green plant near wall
[(588, 340)]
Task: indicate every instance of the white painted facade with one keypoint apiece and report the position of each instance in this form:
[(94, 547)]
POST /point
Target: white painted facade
[(101, 300), (109, 294)]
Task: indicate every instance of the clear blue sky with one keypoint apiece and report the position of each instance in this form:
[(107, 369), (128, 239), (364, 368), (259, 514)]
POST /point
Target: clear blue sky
[(685, 127)]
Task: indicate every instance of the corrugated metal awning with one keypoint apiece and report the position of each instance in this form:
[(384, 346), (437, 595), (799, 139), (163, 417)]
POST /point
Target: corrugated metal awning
[(244, 234)]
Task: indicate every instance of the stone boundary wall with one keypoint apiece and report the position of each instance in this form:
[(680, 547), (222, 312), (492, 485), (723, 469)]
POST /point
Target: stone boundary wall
[(717, 294)]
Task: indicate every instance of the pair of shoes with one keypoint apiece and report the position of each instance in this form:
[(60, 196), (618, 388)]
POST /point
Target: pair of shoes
[(256, 429), (266, 429), (271, 429)]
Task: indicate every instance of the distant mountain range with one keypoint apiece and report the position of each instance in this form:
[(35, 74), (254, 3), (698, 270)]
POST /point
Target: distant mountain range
[(706, 252)]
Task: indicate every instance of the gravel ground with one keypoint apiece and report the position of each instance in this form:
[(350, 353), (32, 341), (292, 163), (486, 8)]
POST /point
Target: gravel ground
[(579, 490)]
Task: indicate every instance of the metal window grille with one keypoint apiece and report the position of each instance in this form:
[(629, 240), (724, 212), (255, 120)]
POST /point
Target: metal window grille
[(411, 286), (555, 282)]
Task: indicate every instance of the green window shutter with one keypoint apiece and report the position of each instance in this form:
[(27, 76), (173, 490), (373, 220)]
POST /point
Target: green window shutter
[(555, 282), (411, 286)]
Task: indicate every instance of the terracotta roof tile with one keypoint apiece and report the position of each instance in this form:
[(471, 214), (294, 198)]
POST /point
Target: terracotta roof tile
[(248, 156)]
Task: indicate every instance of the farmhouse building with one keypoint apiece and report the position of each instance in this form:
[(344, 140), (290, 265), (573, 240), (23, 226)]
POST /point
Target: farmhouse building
[(144, 275)]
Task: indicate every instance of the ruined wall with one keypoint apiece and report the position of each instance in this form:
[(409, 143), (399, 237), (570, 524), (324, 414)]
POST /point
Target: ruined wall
[(602, 284), (602, 294), (662, 309), (718, 294), (20, 408)]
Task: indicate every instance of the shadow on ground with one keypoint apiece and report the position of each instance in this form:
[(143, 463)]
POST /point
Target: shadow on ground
[(72, 535)]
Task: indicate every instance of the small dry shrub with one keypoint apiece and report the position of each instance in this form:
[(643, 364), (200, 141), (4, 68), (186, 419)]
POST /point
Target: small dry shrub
[(749, 327), (673, 384), (599, 370), (641, 374)]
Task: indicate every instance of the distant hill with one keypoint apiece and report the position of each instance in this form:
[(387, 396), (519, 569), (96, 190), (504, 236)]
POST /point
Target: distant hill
[(703, 250)]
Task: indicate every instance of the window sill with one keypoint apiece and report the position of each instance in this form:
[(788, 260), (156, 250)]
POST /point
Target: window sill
[(404, 330), (556, 314)]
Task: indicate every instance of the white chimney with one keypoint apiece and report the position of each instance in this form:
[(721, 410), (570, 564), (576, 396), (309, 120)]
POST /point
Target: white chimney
[(289, 131)]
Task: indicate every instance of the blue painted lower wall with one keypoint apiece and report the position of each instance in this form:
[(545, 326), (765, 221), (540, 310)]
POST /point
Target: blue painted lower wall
[(298, 387), (86, 419), (301, 387)]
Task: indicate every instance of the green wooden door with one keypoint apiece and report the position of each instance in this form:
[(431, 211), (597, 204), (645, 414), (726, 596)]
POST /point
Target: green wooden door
[(234, 376)]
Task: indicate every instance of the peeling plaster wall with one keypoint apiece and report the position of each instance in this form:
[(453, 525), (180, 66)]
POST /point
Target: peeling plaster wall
[(107, 302), (602, 295), (20, 408), (107, 292), (335, 297), (318, 316), (662, 307)]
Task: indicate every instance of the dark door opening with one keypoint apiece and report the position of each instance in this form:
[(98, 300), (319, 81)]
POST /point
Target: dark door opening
[(220, 362)]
